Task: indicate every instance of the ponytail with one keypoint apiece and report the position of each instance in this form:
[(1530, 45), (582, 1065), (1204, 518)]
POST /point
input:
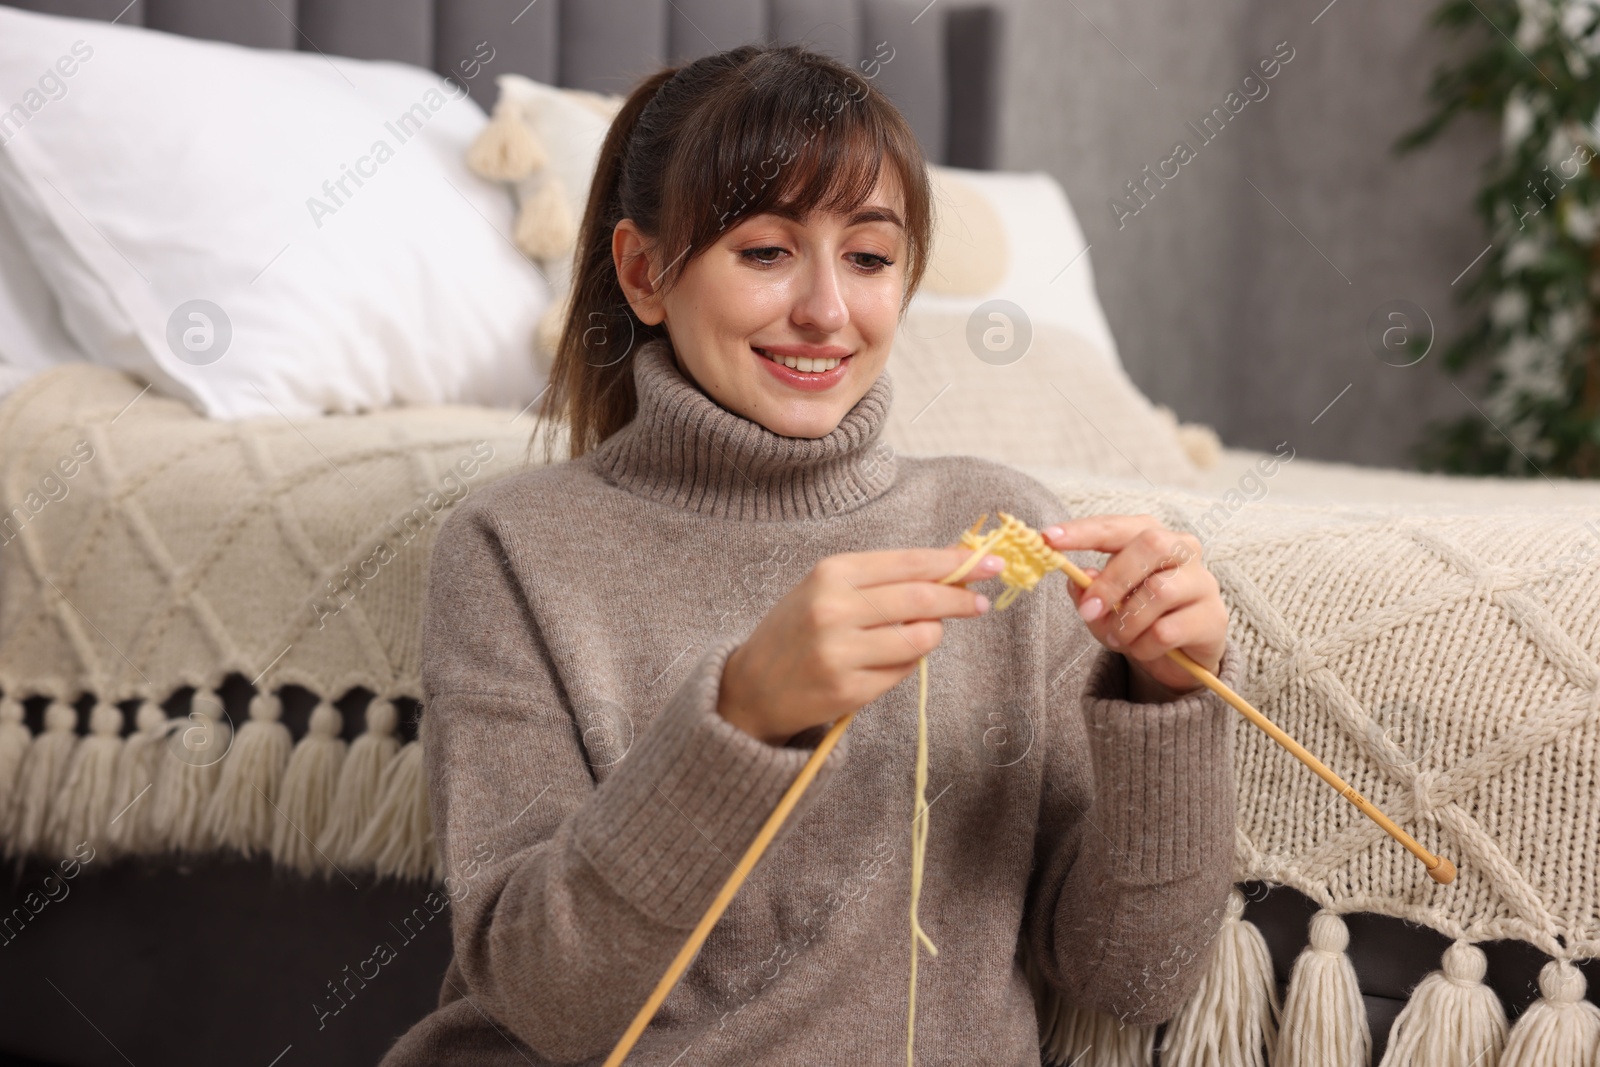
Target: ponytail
[(594, 398)]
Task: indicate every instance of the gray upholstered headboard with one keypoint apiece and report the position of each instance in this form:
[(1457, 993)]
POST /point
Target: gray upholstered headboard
[(943, 73)]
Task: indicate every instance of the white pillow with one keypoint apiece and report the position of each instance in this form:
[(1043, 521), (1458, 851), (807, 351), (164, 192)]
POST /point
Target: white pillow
[(1042, 236), (163, 170), (31, 335)]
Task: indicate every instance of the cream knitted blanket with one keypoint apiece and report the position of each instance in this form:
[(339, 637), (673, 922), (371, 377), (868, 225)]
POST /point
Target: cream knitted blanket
[(147, 550), (1445, 660)]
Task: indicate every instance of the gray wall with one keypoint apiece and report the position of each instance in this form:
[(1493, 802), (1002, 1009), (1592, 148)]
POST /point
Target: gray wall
[(1221, 310)]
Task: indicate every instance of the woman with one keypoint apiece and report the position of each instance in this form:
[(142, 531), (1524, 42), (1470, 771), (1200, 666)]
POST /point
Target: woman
[(629, 655)]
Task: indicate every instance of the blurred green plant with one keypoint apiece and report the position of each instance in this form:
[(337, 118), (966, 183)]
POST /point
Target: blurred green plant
[(1537, 71)]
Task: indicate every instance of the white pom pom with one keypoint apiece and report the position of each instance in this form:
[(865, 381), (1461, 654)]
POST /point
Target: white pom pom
[(506, 149)]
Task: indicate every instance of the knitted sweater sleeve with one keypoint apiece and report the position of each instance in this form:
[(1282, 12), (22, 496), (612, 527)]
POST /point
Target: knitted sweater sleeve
[(570, 899), (1135, 842)]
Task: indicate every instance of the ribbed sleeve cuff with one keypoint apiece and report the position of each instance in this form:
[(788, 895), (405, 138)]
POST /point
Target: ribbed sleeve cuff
[(1164, 781), (667, 828)]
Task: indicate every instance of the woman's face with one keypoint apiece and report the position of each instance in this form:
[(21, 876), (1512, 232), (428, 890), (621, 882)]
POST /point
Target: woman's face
[(817, 288)]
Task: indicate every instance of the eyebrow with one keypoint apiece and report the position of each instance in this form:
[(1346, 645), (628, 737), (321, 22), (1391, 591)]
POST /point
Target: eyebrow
[(860, 215)]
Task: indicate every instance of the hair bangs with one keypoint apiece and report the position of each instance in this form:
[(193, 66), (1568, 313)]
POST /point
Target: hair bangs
[(776, 143)]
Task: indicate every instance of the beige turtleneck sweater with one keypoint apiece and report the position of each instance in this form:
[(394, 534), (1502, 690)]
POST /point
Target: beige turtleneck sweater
[(589, 802)]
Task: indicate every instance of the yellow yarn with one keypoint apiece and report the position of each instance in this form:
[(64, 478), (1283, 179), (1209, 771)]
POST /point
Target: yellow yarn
[(919, 848), (1027, 560)]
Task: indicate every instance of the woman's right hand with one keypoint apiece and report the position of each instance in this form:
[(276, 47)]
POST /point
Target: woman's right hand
[(851, 630)]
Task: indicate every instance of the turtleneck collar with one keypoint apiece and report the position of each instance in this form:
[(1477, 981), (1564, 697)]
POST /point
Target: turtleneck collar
[(685, 449)]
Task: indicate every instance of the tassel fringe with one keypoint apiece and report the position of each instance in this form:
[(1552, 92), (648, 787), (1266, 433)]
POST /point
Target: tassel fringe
[(1561, 1028), (1451, 1019), (1077, 1036), (83, 809), (1324, 1017), (1230, 1018), (196, 748), (398, 842), (15, 741), (506, 150), (41, 777), (308, 790), (129, 831), (241, 815), (545, 228), (192, 784), (360, 784), (1114, 1042)]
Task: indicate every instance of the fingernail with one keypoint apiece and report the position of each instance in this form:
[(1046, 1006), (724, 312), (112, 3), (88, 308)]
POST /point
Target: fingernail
[(1090, 609), (983, 603), (993, 563), (1050, 533), (1112, 642)]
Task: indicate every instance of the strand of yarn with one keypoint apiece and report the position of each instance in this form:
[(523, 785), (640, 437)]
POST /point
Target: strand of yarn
[(1324, 1017), (1451, 1018), (1560, 1029), (919, 850), (1026, 561)]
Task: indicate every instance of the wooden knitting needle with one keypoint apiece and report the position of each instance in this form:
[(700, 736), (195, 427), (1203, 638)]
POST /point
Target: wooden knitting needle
[(747, 862), (1023, 546)]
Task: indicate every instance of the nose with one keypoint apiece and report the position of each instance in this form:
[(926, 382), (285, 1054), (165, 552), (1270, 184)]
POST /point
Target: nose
[(820, 303)]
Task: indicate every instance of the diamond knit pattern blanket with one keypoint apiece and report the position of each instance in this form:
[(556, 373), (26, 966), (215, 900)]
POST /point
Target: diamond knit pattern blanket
[(1443, 659), (147, 550)]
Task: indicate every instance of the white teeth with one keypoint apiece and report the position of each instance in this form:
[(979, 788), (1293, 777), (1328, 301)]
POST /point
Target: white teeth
[(802, 363)]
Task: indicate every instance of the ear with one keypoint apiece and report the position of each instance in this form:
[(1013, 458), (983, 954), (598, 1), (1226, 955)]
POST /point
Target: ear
[(633, 255)]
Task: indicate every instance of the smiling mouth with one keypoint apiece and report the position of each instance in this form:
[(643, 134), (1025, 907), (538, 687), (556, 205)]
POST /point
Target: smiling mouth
[(803, 364)]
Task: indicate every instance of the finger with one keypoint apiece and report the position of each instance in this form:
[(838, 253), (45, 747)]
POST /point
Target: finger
[(1188, 625), (1155, 548), (863, 569), (885, 647), (886, 605), (1159, 595), (1097, 533)]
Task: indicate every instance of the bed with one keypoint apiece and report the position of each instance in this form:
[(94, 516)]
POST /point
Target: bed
[(166, 558)]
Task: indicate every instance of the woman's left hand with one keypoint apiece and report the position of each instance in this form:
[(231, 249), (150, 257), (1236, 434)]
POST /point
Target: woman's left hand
[(1153, 594)]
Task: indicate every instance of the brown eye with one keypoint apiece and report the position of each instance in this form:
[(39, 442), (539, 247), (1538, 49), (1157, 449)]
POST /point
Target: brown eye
[(877, 263), (754, 255)]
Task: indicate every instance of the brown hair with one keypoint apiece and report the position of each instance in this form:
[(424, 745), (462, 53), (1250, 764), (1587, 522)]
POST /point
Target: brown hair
[(693, 151)]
